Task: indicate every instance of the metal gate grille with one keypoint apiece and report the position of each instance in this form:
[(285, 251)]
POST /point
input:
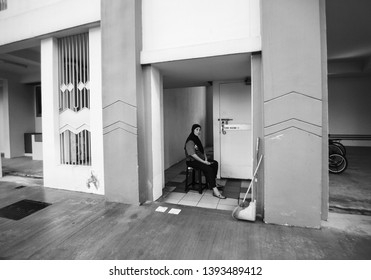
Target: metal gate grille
[(74, 100), (75, 148), (74, 91), (3, 4)]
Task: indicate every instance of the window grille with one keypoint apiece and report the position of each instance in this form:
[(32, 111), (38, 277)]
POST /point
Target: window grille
[(75, 148), (74, 96), (3, 5), (74, 91)]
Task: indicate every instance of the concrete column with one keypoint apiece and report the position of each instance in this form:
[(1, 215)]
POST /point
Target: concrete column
[(293, 111), (50, 121), (151, 144), (325, 124), (4, 119), (96, 122), (121, 80)]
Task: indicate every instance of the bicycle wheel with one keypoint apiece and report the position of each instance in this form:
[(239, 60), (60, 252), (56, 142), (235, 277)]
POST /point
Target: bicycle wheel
[(341, 146), (334, 149), (337, 163)]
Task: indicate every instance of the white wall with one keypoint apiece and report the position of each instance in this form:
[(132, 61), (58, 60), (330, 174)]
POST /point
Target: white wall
[(16, 116), (178, 29), (182, 108), (349, 107), (44, 16), (56, 175), (21, 115)]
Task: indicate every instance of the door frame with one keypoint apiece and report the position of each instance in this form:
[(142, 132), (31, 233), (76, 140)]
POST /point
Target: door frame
[(257, 103), (216, 122)]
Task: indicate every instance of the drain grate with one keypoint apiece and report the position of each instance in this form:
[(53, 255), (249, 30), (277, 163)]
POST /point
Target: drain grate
[(22, 209)]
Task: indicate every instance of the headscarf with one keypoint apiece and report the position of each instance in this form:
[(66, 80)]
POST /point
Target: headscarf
[(195, 138)]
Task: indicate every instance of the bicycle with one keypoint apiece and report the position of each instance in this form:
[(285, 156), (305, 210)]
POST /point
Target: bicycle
[(335, 147), (337, 163), (337, 160)]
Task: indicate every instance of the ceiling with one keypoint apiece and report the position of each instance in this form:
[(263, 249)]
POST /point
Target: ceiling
[(21, 62), (348, 37), (348, 45), (197, 72), (348, 28)]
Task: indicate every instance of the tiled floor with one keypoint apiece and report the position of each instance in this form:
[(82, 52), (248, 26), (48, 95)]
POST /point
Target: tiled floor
[(205, 200), (174, 191)]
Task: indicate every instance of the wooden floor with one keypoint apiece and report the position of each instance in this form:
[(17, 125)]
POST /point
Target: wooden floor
[(82, 226)]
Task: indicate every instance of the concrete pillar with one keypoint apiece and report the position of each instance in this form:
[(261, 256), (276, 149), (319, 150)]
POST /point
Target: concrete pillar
[(151, 143), (293, 71), (50, 121), (4, 119), (95, 121), (325, 124), (70, 176), (121, 80)]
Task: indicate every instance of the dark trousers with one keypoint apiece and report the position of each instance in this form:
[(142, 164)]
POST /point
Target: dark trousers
[(209, 171)]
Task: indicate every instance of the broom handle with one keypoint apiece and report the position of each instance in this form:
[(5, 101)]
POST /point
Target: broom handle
[(257, 156), (253, 177)]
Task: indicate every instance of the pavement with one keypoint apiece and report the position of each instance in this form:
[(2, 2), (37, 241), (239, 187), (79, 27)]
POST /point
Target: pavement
[(343, 236), (22, 166), (349, 192), (85, 226)]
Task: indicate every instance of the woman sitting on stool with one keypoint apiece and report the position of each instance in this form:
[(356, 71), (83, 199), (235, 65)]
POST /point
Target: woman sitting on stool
[(196, 158)]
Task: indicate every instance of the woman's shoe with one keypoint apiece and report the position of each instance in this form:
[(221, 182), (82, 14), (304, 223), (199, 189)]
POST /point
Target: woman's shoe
[(219, 196)]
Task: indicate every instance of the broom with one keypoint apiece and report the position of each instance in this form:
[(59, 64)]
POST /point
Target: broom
[(247, 212)]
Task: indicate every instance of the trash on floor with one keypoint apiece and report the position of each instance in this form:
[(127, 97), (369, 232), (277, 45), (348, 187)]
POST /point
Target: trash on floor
[(174, 211), (161, 209)]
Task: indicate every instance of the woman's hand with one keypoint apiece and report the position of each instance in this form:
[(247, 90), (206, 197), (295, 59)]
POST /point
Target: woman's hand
[(204, 161)]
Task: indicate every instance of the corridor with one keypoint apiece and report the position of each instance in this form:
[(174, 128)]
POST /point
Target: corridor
[(174, 191)]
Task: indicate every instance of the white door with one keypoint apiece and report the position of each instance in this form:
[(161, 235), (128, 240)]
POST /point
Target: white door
[(235, 131)]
